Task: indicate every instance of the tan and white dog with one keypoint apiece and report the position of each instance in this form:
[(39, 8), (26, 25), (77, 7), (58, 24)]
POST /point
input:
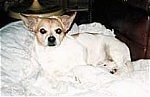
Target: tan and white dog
[(58, 52)]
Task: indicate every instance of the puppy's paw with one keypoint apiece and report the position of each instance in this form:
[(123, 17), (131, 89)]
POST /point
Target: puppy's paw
[(113, 71), (110, 66)]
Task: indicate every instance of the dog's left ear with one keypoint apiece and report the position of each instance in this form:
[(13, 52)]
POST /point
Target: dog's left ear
[(67, 20), (30, 21)]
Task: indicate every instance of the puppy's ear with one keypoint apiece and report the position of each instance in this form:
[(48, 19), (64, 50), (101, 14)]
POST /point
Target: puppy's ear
[(29, 21), (67, 20)]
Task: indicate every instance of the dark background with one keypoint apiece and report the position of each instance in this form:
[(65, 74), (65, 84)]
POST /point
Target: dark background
[(82, 16)]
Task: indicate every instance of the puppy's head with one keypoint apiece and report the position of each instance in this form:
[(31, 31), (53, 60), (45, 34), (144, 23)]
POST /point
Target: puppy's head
[(49, 31)]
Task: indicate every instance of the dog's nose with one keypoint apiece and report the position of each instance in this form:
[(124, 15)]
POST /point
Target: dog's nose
[(51, 39)]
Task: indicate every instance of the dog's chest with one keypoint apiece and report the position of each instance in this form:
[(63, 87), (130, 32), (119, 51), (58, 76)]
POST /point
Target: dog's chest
[(61, 59)]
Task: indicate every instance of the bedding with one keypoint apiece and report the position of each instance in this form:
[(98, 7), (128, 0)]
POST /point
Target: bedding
[(20, 75)]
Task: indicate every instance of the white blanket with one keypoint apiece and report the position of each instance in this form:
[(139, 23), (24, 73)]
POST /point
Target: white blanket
[(18, 76)]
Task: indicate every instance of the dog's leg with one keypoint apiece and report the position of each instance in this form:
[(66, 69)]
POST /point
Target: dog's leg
[(106, 61), (121, 56)]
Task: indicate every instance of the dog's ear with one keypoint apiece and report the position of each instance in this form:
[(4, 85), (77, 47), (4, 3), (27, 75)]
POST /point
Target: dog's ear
[(67, 20), (29, 21)]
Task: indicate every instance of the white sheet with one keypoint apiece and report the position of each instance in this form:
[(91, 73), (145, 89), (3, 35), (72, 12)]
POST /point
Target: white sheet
[(18, 77)]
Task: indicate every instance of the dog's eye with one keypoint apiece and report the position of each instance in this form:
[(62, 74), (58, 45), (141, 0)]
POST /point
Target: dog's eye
[(43, 31), (58, 31)]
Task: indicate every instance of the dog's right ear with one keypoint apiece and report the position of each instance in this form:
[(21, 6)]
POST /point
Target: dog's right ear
[(67, 20), (29, 21)]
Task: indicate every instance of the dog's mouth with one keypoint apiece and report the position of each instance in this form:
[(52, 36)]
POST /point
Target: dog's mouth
[(51, 44)]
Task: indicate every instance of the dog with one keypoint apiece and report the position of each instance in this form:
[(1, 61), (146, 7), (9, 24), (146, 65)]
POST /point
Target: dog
[(58, 53)]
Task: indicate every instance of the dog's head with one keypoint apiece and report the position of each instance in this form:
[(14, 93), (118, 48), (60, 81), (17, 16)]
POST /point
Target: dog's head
[(49, 31)]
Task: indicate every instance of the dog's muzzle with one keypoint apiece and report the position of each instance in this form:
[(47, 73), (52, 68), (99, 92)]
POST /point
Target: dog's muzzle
[(51, 41)]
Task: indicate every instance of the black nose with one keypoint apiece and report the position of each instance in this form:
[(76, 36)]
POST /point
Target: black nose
[(51, 39)]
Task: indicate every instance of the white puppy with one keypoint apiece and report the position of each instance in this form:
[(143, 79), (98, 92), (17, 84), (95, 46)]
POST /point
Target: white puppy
[(57, 53)]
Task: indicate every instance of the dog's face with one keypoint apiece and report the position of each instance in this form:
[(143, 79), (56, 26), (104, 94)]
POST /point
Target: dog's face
[(49, 31)]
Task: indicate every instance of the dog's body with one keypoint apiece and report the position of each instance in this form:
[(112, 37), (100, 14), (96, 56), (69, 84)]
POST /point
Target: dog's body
[(58, 53), (106, 51)]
